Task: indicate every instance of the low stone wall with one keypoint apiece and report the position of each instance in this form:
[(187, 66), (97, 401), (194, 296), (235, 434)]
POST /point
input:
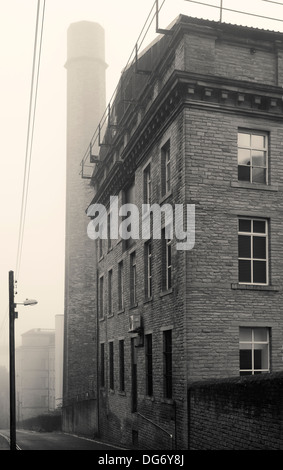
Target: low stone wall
[(80, 418), (243, 413)]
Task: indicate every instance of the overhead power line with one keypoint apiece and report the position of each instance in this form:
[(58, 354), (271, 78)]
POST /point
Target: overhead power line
[(271, 1), (31, 122)]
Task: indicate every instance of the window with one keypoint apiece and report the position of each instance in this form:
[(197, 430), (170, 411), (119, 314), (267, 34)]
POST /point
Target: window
[(110, 291), (100, 241), (147, 185), (252, 156), (167, 363), (109, 240), (148, 269), (133, 278), (252, 251), (121, 366), (101, 295), (102, 366), (166, 168), (111, 365), (148, 365), (254, 351), (166, 260), (129, 198), (120, 286)]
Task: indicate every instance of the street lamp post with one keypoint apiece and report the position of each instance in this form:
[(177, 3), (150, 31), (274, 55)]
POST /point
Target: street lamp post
[(12, 316), (12, 362)]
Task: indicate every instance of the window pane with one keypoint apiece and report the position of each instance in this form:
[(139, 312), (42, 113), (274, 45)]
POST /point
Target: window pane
[(169, 255), (259, 226), (260, 334), (244, 271), (244, 225), (257, 359), (169, 279), (259, 247), (258, 175), (258, 158), (244, 245), (245, 359), (259, 273), (245, 334), (244, 173), (264, 357), (258, 141), (244, 140), (244, 157)]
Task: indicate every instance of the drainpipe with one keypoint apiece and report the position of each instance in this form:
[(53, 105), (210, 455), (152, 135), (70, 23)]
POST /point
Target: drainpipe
[(97, 353)]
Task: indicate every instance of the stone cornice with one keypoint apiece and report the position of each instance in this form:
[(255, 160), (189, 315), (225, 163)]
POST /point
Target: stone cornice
[(182, 89)]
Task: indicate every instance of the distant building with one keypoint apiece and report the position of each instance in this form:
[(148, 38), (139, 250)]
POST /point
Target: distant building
[(198, 120), (35, 373), (39, 367)]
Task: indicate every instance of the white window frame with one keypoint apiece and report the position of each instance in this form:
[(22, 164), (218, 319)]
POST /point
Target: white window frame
[(167, 244), (110, 291), (101, 296), (166, 168), (250, 148), (121, 285), (109, 222), (251, 259), (148, 269), (253, 343), (133, 278), (147, 184), (100, 242)]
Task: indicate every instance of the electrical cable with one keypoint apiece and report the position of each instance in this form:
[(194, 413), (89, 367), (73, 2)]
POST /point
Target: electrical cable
[(271, 1), (30, 132)]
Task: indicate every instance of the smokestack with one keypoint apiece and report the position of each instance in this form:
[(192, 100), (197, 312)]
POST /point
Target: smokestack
[(86, 103)]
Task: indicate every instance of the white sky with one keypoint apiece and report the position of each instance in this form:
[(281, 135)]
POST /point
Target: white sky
[(42, 267)]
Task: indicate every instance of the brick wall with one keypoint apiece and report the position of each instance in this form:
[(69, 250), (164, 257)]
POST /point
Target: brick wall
[(117, 423), (236, 414), (206, 306), (216, 307)]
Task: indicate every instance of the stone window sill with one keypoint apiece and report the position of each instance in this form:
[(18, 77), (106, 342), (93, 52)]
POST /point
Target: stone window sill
[(254, 287), (166, 292), (133, 306), (165, 196), (258, 186)]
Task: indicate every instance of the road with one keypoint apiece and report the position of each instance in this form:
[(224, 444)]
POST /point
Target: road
[(29, 440)]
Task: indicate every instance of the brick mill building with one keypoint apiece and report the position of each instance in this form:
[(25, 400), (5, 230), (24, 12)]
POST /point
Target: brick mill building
[(196, 120)]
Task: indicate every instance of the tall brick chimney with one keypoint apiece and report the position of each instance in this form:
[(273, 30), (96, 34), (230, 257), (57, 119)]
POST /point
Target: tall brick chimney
[(86, 103)]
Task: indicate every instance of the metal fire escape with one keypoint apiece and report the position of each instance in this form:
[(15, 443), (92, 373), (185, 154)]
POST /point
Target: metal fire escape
[(104, 138)]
